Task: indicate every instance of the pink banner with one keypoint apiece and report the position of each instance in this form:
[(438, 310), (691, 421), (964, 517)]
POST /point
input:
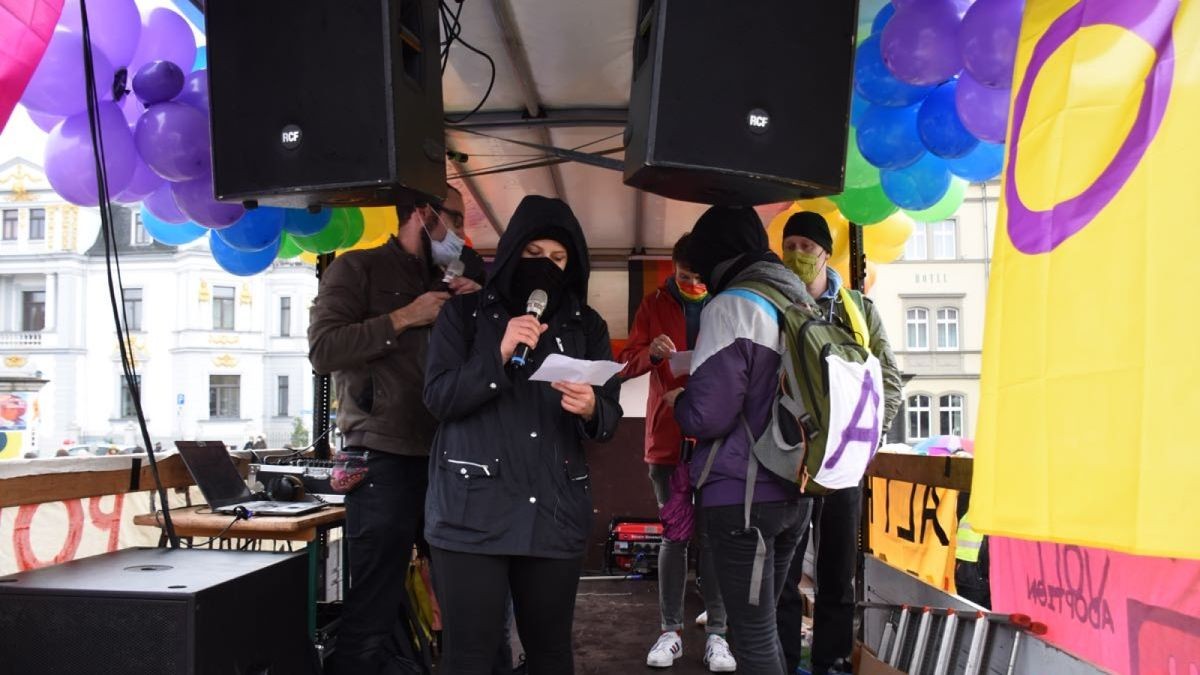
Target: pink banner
[(1128, 613)]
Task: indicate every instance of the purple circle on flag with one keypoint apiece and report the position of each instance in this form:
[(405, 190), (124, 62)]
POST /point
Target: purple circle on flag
[(1034, 232)]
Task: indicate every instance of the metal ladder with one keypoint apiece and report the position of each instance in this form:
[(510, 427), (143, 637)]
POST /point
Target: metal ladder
[(927, 649)]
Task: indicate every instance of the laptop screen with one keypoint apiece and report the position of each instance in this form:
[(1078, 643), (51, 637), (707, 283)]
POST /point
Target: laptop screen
[(214, 472)]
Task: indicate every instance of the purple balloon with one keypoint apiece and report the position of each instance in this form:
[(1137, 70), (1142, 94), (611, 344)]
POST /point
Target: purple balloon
[(166, 36), (57, 86), (115, 26), (162, 204), (71, 163), (195, 90), (983, 110), (988, 40), (132, 109), (173, 140), (44, 121), (158, 81), (143, 183), (920, 43), (195, 199)]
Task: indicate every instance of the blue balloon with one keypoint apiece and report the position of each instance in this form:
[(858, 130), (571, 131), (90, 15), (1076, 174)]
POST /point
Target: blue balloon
[(168, 233), (305, 224), (242, 263), (919, 186), (887, 137), (256, 230), (881, 18), (982, 163), (858, 106), (938, 124), (874, 82)]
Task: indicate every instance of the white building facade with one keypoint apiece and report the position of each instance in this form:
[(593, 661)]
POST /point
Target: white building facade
[(219, 357)]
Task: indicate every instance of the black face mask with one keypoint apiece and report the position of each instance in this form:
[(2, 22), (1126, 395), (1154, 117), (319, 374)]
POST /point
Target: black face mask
[(537, 273)]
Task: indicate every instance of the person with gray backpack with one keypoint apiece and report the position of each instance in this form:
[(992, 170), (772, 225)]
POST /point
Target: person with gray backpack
[(807, 245)]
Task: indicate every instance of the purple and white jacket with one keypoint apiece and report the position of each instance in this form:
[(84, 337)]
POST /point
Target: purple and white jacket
[(735, 371)]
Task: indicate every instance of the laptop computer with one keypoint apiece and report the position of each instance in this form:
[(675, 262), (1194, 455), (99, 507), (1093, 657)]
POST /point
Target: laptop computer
[(217, 477)]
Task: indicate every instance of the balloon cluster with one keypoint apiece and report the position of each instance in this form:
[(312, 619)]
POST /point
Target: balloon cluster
[(930, 107), (157, 147)]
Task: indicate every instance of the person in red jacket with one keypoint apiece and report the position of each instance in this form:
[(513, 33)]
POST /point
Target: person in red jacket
[(668, 321)]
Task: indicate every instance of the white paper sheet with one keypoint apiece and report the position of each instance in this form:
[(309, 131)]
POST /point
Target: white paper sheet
[(559, 368), (681, 363)]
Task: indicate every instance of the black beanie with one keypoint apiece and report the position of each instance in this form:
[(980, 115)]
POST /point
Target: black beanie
[(812, 226), (724, 233)]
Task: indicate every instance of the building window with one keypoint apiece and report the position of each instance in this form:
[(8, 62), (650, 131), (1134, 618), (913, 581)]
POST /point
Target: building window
[(918, 417), (140, 236), (950, 414), (128, 409), (133, 308), (285, 317), (918, 328), (943, 235), (947, 328), (224, 395), (917, 246), (33, 310), (223, 307), (37, 224), (10, 225), (283, 396)]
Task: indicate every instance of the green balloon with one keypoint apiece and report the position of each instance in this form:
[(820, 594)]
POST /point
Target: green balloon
[(329, 238), (288, 248), (354, 227), (946, 206), (859, 172), (865, 206)]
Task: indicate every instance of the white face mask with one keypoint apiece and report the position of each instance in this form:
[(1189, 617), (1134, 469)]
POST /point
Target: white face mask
[(448, 249)]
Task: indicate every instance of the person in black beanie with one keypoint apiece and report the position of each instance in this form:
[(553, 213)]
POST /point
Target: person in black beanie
[(735, 374), (807, 245)]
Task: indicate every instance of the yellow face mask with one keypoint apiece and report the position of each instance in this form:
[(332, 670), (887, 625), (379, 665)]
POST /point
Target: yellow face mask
[(805, 265)]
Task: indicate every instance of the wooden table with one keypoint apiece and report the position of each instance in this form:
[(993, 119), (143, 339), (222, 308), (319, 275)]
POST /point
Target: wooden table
[(200, 521)]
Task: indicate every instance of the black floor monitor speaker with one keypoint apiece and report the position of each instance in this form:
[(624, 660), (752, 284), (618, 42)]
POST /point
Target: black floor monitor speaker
[(158, 612), (740, 102), (325, 101)]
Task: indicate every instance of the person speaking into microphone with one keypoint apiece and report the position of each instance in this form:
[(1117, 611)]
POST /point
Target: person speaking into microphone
[(509, 504)]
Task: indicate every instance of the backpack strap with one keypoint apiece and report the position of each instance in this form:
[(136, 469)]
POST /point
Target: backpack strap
[(852, 301), (760, 549)]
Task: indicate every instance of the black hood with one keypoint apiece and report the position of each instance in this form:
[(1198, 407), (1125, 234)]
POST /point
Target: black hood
[(537, 217)]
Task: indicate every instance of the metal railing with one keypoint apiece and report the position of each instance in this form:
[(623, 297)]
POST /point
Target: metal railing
[(21, 339)]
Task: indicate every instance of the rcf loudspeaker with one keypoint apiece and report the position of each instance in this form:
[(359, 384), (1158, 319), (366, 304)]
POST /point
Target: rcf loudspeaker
[(146, 611), (740, 103), (325, 101)]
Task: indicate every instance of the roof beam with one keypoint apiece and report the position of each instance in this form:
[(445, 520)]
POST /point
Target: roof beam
[(514, 47), (547, 117)]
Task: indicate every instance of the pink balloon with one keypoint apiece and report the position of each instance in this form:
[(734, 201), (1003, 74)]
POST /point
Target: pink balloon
[(57, 86), (195, 199), (166, 36), (70, 159), (114, 26)]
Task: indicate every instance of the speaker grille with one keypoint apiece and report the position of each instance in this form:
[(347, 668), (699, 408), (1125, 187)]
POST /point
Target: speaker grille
[(92, 635)]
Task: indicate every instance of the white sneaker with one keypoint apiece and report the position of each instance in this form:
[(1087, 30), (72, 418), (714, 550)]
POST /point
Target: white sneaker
[(664, 652), (717, 656), (702, 619)]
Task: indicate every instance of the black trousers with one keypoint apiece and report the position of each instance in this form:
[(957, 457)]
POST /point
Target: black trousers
[(383, 521), (835, 533), (473, 592), (755, 639)]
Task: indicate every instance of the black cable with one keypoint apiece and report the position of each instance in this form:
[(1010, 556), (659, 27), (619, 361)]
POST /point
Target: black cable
[(453, 28), (297, 453), (454, 36), (110, 254), (236, 518)]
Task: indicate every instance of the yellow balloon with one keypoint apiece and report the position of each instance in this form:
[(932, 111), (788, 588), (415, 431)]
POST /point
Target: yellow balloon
[(379, 222), (843, 268), (839, 229), (881, 240), (310, 258), (364, 244), (820, 205), (885, 254), (838, 225)]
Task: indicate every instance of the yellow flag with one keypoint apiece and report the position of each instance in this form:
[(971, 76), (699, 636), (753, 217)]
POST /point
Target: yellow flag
[(1091, 370)]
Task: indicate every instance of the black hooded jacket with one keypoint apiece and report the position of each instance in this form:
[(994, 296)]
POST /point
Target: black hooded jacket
[(508, 474)]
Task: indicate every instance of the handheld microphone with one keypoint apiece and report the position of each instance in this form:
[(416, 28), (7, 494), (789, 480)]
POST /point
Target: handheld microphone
[(453, 271), (533, 307)]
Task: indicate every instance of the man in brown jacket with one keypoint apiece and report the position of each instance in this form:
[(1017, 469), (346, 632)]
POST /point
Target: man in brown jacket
[(370, 327)]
